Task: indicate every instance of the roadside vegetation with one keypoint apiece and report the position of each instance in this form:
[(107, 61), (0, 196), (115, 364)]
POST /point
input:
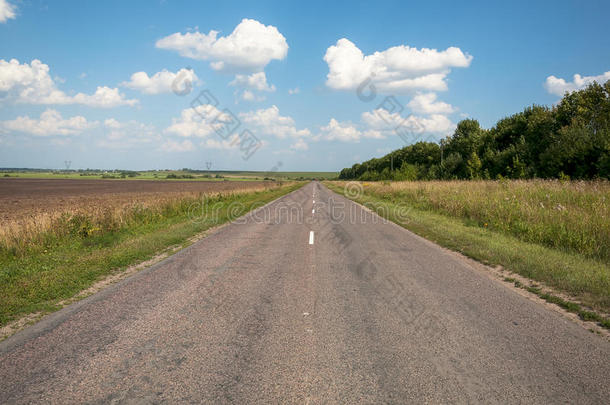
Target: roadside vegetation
[(551, 231), (49, 258)]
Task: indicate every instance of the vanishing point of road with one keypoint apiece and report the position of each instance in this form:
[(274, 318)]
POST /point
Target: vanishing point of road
[(307, 302)]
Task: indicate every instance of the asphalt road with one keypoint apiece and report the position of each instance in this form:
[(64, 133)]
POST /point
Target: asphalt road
[(262, 311)]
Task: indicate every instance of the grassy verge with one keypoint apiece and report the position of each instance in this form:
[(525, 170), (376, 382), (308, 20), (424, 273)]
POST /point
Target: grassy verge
[(85, 250), (586, 279)]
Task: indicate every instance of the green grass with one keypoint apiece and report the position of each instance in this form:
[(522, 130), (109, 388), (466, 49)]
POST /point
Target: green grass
[(72, 262), (585, 278)]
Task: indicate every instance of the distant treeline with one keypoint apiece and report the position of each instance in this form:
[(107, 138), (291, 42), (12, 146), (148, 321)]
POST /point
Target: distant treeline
[(568, 140)]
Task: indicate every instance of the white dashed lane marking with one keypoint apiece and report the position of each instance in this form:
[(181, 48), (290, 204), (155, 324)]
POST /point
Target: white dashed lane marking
[(311, 237)]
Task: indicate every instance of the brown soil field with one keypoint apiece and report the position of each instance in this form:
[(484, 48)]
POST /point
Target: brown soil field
[(28, 198)]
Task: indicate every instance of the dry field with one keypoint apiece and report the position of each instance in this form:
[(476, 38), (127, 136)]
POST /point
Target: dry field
[(36, 212), (22, 199)]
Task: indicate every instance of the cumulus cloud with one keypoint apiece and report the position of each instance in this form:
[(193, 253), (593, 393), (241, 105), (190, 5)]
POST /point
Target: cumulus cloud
[(382, 120), (204, 121), (199, 122), (248, 95), (269, 122), (32, 84), (398, 69), (50, 123), (300, 144), (7, 11), (104, 97), (380, 124), (340, 131), (559, 87), (219, 143), (250, 84), (255, 81), (162, 82), (250, 47), (177, 146), (425, 103), (127, 134)]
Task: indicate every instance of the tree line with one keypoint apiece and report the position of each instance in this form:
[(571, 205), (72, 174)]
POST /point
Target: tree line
[(568, 140)]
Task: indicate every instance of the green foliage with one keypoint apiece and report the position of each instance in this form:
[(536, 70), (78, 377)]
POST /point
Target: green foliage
[(474, 166), (571, 139)]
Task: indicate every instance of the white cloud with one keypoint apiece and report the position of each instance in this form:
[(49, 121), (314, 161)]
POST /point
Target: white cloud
[(435, 123), (251, 84), (248, 95), (385, 122), (374, 134), (296, 90), (128, 134), (381, 119), (255, 81), (175, 146), (162, 82), (348, 132), (425, 103), (250, 47), (200, 122), (219, 143), (32, 84), (112, 123), (104, 97), (50, 123), (340, 131), (300, 144), (398, 69), (559, 87), (7, 11), (269, 122), (380, 124)]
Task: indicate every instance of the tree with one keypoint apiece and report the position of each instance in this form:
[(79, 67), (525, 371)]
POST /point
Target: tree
[(571, 139), (474, 166)]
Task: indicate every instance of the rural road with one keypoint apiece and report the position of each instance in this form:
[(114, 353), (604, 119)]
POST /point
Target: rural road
[(264, 311)]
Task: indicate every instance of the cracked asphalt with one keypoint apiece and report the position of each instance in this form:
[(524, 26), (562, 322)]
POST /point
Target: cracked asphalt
[(254, 313)]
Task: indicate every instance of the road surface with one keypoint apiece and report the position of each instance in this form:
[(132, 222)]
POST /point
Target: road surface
[(295, 306)]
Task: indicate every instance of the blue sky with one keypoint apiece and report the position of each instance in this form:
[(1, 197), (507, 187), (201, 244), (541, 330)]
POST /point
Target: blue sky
[(78, 78)]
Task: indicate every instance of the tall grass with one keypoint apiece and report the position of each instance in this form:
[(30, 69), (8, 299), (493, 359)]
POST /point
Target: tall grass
[(569, 216)]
